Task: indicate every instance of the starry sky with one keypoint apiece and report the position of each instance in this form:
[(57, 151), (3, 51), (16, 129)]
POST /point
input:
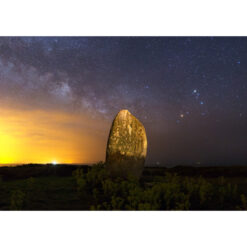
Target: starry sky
[(59, 95)]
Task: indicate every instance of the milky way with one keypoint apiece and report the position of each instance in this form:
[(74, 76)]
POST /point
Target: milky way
[(189, 92)]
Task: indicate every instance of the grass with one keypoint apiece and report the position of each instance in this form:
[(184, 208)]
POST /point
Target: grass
[(44, 193), (61, 187)]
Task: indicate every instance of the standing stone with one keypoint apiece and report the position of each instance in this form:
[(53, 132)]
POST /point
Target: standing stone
[(127, 146)]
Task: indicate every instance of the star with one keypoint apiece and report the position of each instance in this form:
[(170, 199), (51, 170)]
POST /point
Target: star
[(164, 81)]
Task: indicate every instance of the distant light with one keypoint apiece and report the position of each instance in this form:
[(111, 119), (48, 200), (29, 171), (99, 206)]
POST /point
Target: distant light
[(54, 162), (181, 115), (194, 91), (201, 102)]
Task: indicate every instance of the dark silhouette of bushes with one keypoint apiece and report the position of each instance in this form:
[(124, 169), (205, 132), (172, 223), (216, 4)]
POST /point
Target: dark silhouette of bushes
[(170, 192), (85, 188), (17, 200)]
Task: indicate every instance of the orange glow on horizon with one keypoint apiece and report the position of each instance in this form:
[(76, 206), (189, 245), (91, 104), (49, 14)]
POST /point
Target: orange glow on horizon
[(48, 137)]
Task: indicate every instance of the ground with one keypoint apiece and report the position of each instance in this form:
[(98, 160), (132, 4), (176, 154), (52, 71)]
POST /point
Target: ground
[(64, 187)]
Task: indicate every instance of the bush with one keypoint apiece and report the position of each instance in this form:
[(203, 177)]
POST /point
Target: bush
[(96, 175), (170, 192), (17, 200), (80, 179)]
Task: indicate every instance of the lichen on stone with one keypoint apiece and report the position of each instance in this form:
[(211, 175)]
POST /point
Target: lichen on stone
[(127, 146)]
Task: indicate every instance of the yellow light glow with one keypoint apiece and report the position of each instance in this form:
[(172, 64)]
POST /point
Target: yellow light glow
[(28, 136)]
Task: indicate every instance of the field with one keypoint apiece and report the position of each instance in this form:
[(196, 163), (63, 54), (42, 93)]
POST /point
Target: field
[(73, 187)]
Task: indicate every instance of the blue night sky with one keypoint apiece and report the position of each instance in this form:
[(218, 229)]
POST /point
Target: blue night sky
[(189, 92)]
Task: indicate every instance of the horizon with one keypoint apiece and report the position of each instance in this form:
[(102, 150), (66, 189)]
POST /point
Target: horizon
[(149, 165)]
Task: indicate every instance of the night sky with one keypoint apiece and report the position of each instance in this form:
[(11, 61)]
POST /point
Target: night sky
[(59, 95)]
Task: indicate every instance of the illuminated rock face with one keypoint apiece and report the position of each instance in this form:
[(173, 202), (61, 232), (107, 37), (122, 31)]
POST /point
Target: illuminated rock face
[(127, 146)]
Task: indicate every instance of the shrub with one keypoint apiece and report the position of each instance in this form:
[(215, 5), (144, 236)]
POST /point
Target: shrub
[(79, 176), (96, 175), (243, 205), (117, 203), (17, 200), (171, 192)]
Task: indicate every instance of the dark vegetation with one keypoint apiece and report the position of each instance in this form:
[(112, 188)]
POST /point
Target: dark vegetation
[(73, 187)]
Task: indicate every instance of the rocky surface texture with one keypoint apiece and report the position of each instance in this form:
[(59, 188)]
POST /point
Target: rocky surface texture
[(127, 146)]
